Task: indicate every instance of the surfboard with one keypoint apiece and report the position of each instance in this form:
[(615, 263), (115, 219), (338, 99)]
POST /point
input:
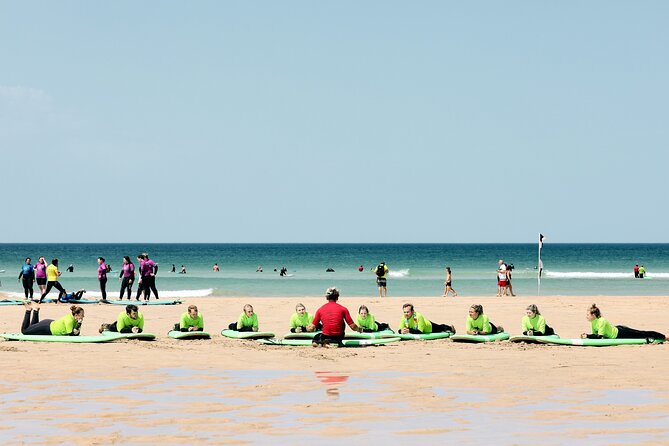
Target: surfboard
[(47, 338), (247, 334), (11, 302), (531, 339), (598, 342), (142, 302), (302, 335), (345, 342), (139, 336), (481, 338), (82, 301), (189, 335), (424, 337), (371, 335)]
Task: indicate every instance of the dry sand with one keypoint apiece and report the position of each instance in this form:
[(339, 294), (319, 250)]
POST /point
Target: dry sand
[(229, 391)]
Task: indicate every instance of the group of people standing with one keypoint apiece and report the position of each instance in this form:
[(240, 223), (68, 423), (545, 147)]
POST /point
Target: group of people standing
[(639, 271)]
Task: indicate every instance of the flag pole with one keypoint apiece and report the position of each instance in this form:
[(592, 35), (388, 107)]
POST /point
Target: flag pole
[(540, 265)]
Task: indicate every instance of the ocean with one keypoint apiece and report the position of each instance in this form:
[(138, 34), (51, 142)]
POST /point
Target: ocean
[(415, 269)]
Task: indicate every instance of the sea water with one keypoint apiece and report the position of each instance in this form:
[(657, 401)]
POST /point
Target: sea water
[(415, 269)]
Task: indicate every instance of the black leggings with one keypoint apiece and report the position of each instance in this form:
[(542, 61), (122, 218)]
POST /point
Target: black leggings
[(126, 284), (103, 288), (149, 284), (35, 327), (233, 326), (441, 328), (55, 285), (380, 326), (27, 287), (322, 339), (114, 328), (631, 333), (549, 332)]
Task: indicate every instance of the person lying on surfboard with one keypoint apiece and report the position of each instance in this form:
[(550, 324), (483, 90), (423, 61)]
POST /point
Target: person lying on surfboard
[(366, 321), (191, 320), (130, 321), (248, 320), (414, 323), (69, 325), (602, 329), (534, 323), (479, 324), (300, 320)]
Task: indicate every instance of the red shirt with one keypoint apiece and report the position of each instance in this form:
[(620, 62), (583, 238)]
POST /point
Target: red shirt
[(333, 315)]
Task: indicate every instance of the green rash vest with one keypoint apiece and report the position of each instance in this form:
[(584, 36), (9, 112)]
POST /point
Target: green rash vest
[(481, 323), (299, 321), (537, 323), (417, 322), (63, 326), (369, 323), (245, 321), (124, 321), (602, 327), (187, 321)]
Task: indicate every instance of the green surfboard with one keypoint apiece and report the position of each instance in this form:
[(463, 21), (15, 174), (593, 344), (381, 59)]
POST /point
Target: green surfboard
[(424, 337), (481, 338), (11, 302), (138, 336), (142, 302), (371, 335), (303, 335), (47, 338), (247, 334), (531, 339), (598, 342), (189, 335), (345, 342)]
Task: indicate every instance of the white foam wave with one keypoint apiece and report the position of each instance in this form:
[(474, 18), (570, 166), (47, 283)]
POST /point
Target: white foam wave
[(599, 275), (113, 295), (399, 273)]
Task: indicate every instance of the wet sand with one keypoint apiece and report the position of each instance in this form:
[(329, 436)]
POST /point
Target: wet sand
[(222, 391)]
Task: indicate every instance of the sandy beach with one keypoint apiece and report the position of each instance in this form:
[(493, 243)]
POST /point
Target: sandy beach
[(224, 390)]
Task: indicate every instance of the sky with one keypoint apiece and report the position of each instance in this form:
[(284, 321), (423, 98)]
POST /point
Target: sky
[(340, 121)]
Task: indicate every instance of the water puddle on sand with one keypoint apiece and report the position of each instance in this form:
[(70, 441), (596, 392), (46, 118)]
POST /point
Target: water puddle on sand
[(182, 406)]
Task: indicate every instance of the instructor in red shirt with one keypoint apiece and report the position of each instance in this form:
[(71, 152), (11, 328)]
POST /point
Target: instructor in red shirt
[(333, 317)]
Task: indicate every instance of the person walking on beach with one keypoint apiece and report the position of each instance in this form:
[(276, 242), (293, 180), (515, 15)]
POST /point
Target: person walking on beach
[(448, 284), (333, 317), (381, 272), (102, 277), (509, 285), (127, 277), (52, 275), (27, 277), (501, 278), (642, 272), (40, 274), (636, 271)]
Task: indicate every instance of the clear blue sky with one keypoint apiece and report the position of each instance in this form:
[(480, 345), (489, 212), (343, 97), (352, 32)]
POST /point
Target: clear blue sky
[(341, 121)]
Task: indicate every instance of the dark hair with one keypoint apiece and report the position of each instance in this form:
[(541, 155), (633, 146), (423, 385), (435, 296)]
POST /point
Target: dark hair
[(192, 307), (27, 259), (76, 310), (533, 308), (408, 305), (127, 259), (130, 308), (54, 262), (140, 256), (595, 311), (332, 293), (363, 307), (448, 268), (101, 258)]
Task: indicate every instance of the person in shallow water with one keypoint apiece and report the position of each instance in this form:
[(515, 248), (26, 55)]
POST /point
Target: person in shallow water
[(69, 325), (414, 323), (602, 329)]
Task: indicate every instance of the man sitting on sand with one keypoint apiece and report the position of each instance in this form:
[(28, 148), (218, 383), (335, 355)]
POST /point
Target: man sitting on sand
[(333, 317), (130, 321)]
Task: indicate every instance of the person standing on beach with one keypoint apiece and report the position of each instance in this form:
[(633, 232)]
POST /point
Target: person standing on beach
[(52, 275), (127, 277), (642, 272), (102, 277), (27, 277), (636, 271), (381, 272), (140, 284), (333, 317), (448, 284), (40, 274), (149, 277), (501, 278), (509, 285)]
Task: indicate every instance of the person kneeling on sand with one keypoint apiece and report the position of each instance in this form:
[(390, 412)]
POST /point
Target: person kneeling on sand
[(333, 317), (69, 325), (366, 321), (191, 320), (534, 323), (602, 329), (130, 321), (479, 324), (300, 320), (248, 320), (414, 323)]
